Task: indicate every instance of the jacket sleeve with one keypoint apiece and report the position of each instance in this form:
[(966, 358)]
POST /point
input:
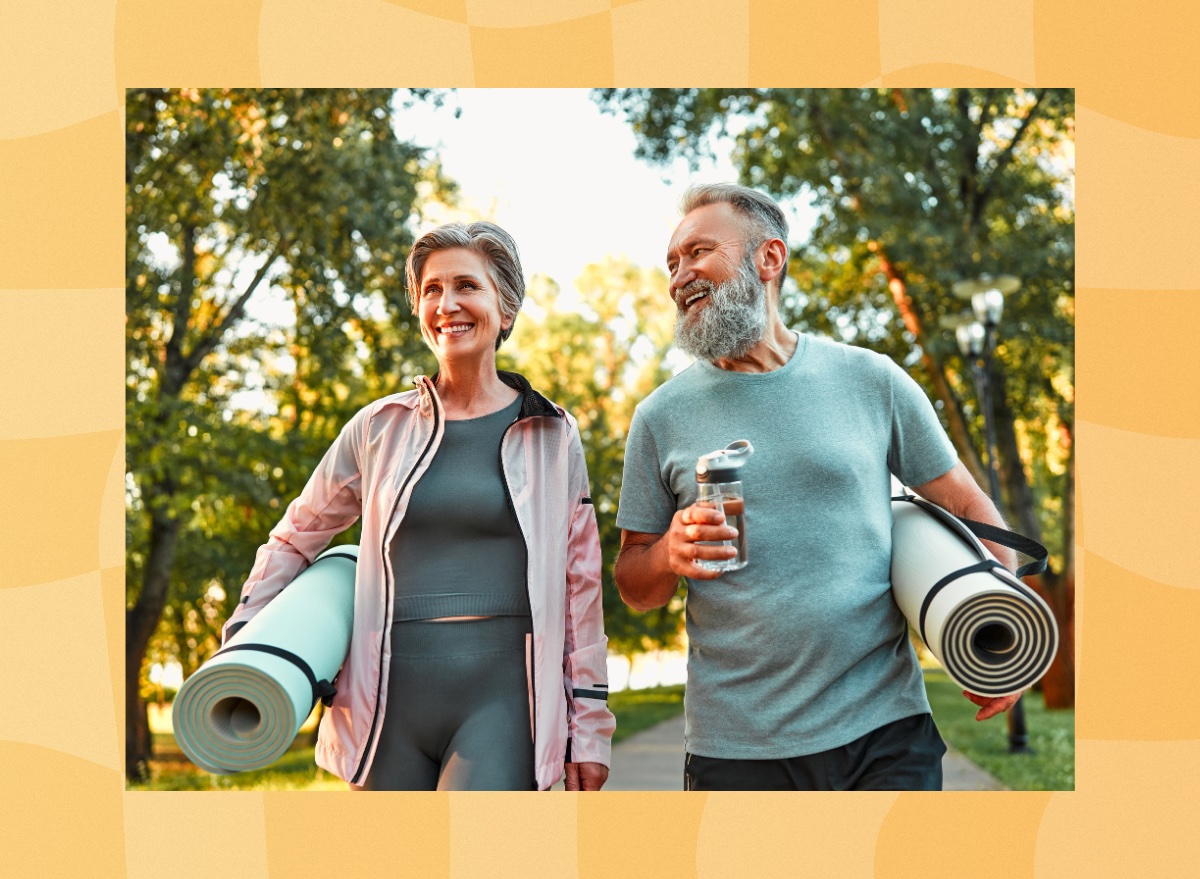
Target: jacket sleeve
[(330, 503), (590, 724)]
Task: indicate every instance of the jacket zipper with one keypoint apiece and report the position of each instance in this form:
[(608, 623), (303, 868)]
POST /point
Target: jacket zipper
[(532, 664), (387, 585)]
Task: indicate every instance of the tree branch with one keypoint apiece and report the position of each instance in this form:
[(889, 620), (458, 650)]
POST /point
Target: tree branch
[(1006, 154), (213, 334)]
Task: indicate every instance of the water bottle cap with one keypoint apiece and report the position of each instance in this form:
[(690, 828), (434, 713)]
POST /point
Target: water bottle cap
[(724, 465)]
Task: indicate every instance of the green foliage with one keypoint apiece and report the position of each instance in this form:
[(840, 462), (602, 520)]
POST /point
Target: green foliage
[(1051, 766), (266, 234)]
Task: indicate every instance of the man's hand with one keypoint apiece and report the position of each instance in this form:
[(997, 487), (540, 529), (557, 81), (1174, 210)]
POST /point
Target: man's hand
[(585, 776), (691, 527), (991, 706)]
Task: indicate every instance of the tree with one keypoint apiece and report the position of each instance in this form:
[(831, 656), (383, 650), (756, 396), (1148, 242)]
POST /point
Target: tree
[(914, 190), (265, 237), (598, 363)]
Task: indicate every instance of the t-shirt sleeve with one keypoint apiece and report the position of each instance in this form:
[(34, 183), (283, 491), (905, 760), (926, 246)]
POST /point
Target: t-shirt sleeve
[(647, 503), (919, 449)]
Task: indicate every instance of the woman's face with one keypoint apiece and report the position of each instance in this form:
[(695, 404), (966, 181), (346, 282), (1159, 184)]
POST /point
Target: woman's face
[(459, 306)]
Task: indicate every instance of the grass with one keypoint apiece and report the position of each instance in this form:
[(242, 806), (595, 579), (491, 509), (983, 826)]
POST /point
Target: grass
[(1051, 766), (637, 710)]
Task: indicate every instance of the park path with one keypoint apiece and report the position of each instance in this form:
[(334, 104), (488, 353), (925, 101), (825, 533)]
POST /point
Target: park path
[(653, 760)]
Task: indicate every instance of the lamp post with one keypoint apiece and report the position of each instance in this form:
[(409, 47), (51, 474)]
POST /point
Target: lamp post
[(977, 342)]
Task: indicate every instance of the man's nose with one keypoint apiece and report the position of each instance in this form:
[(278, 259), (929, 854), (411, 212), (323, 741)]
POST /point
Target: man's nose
[(684, 275)]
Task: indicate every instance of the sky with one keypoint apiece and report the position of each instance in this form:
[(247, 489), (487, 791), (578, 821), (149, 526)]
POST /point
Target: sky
[(560, 176)]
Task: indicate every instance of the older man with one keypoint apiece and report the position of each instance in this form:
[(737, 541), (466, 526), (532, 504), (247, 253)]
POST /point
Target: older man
[(800, 672)]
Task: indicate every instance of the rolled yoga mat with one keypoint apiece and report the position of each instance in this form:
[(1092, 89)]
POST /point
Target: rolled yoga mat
[(991, 632), (242, 709)]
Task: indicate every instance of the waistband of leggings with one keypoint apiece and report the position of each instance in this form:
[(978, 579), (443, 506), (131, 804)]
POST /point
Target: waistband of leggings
[(460, 637)]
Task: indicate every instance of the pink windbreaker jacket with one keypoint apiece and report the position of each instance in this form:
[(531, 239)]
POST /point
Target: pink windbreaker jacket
[(370, 470)]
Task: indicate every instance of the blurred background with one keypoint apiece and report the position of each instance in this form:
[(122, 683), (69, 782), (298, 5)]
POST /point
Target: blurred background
[(266, 237)]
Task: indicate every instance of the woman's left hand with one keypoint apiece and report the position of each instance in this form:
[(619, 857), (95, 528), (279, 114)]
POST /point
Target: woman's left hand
[(585, 776)]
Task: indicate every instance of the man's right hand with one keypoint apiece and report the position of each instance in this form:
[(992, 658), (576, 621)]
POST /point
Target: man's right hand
[(650, 565), (691, 528)]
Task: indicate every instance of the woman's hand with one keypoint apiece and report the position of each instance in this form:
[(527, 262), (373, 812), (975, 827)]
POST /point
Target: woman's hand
[(585, 776)]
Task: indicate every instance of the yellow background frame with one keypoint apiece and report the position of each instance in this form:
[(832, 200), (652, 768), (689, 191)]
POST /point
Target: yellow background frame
[(65, 811)]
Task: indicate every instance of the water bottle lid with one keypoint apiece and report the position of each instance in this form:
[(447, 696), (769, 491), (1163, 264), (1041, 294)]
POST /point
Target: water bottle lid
[(715, 475), (724, 465)]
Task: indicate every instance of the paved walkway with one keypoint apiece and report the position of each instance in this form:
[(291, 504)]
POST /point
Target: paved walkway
[(653, 760)]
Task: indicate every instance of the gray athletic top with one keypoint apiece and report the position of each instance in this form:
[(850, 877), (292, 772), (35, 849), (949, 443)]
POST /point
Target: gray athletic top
[(804, 649), (459, 550)]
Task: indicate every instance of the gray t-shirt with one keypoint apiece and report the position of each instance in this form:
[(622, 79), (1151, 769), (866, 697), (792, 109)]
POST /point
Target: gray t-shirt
[(804, 649)]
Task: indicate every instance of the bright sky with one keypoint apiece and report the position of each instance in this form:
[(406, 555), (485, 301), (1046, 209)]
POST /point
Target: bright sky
[(560, 176)]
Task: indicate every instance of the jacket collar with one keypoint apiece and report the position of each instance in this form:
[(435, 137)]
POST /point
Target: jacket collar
[(532, 403)]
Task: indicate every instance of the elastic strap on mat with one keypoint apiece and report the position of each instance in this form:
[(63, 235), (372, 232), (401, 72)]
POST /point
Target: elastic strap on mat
[(324, 691)]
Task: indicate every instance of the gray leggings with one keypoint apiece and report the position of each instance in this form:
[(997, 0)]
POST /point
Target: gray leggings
[(457, 715)]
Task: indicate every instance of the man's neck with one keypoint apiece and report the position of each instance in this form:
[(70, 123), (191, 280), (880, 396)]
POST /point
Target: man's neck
[(773, 350)]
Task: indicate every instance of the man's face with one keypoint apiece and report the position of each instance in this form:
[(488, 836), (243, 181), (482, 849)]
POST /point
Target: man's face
[(716, 286)]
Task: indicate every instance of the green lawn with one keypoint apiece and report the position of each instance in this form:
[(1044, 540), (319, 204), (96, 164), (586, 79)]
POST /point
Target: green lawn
[(637, 710), (1051, 736)]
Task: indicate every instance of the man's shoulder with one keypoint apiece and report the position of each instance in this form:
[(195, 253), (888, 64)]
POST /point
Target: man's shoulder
[(845, 354)]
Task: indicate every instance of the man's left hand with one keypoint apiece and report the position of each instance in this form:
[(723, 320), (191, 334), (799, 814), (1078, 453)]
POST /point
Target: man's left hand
[(585, 776), (991, 706)]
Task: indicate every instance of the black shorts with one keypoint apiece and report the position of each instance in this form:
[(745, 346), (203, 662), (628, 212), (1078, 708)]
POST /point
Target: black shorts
[(903, 755)]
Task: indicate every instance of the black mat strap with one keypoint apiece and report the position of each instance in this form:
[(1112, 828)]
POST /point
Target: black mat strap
[(1022, 544), (323, 691)]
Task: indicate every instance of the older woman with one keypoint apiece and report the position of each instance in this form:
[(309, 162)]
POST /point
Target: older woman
[(477, 660)]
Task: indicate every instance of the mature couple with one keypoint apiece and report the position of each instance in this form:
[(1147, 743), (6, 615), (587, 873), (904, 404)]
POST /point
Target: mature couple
[(478, 652)]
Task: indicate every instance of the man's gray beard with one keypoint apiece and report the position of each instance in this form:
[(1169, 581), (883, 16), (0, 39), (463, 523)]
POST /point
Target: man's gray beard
[(733, 321)]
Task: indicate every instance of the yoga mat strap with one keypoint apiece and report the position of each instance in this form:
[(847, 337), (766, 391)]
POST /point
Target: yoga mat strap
[(323, 691), (986, 565), (1002, 536)]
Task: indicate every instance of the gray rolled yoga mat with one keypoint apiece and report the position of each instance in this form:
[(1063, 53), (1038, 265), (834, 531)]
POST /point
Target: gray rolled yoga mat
[(991, 632), (242, 709)]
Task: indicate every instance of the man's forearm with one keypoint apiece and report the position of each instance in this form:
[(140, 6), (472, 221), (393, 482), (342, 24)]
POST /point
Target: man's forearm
[(643, 575)]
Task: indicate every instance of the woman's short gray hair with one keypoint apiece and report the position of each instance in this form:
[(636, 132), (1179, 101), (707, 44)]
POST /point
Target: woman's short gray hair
[(489, 241), (764, 215)]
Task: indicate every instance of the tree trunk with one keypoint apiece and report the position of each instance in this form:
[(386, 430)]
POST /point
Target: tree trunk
[(140, 622), (1058, 590), (959, 434), (1014, 484)]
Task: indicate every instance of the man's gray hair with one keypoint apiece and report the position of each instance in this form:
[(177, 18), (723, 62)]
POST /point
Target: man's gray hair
[(763, 214), (489, 241)]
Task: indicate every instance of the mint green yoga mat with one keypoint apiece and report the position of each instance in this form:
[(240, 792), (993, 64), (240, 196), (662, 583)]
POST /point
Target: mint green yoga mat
[(242, 709)]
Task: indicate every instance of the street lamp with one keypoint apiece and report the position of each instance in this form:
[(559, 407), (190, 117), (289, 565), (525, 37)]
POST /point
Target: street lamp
[(977, 342)]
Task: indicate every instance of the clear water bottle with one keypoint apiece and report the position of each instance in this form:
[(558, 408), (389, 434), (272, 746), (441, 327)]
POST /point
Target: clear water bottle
[(719, 486)]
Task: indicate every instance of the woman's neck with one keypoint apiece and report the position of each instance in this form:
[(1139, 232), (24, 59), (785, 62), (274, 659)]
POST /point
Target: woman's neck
[(472, 391)]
